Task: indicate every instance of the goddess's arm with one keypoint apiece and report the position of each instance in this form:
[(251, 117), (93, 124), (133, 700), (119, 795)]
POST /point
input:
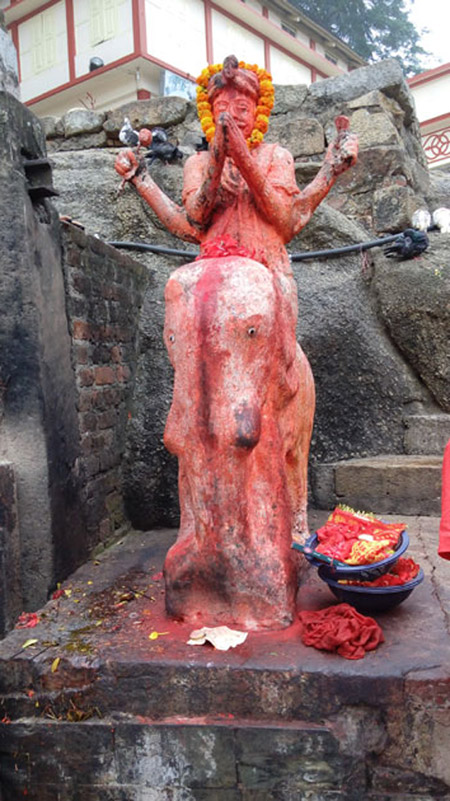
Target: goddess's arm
[(201, 181), (172, 216), (339, 157)]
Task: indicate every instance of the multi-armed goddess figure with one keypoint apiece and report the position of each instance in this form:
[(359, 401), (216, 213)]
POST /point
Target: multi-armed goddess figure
[(243, 401)]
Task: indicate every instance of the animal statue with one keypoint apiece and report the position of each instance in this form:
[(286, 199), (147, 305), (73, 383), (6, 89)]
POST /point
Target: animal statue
[(240, 425), (243, 403)]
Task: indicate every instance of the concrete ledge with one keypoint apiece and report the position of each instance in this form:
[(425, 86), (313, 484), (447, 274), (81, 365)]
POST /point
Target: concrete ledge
[(400, 484), (122, 716)]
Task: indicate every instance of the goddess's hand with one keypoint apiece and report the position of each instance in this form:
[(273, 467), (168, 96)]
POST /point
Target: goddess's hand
[(126, 164)]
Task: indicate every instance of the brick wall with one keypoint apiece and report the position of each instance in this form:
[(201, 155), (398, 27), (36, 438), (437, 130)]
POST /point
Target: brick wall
[(104, 292)]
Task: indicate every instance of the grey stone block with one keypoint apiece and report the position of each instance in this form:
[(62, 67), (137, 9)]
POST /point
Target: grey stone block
[(427, 433), (82, 121), (391, 484)]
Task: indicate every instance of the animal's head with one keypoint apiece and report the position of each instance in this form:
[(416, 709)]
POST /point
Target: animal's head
[(224, 334)]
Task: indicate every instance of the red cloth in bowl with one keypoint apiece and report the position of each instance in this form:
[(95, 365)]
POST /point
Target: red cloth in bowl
[(342, 629), (356, 538)]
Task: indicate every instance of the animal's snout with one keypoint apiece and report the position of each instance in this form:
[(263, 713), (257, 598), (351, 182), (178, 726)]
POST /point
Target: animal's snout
[(248, 430)]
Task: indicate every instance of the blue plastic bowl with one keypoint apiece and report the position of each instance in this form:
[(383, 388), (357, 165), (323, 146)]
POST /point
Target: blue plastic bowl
[(367, 572), (371, 599)]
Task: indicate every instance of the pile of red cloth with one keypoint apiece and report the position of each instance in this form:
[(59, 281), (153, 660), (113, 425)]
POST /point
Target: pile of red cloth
[(355, 538), (403, 571), (342, 629)]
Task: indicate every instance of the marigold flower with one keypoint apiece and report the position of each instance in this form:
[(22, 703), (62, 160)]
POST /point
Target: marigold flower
[(262, 123), (267, 101)]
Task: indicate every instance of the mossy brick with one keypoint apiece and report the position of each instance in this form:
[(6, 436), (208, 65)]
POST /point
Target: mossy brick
[(81, 329), (107, 419), (80, 282), (88, 422), (123, 373), (101, 354), (81, 353), (109, 459), (85, 377), (104, 375)]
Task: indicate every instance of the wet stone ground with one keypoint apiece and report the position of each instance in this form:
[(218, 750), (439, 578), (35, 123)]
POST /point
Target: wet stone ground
[(104, 698)]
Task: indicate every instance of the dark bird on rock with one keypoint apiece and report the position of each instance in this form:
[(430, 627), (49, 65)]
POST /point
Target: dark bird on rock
[(127, 135), (407, 245), (162, 149), (203, 145)]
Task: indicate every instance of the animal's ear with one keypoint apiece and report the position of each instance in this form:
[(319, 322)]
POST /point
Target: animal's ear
[(174, 291)]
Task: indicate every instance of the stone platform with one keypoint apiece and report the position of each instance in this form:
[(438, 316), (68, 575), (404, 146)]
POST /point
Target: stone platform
[(111, 703)]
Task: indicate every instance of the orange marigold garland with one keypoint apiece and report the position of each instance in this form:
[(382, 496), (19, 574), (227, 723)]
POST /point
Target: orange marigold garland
[(263, 109)]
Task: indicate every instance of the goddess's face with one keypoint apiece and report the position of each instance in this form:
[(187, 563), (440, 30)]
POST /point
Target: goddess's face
[(241, 107)]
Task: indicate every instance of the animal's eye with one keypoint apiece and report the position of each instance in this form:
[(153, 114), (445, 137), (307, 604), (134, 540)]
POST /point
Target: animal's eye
[(171, 337), (251, 331)]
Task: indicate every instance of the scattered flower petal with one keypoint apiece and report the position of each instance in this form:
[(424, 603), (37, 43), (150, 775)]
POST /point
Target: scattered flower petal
[(27, 620), (27, 643), (55, 664)]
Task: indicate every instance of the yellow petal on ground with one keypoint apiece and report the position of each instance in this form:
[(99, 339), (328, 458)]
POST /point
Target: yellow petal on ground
[(155, 634), (55, 664), (27, 643)]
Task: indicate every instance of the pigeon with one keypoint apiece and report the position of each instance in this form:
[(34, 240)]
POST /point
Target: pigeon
[(203, 145), (162, 149), (421, 220), (127, 135), (441, 219), (407, 245)]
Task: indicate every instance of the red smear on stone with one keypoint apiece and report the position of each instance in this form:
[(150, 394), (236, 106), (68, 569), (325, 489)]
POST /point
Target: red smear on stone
[(27, 620)]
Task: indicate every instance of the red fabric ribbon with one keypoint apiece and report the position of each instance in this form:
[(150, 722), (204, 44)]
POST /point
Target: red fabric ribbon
[(223, 245), (342, 629)]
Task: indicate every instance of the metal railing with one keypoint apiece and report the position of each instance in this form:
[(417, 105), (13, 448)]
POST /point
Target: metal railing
[(437, 145)]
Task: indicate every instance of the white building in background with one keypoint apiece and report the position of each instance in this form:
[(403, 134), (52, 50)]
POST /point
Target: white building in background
[(431, 92), (102, 53)]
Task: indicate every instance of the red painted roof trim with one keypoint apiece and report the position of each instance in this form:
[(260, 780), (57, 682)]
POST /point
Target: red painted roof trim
[(430, 75)]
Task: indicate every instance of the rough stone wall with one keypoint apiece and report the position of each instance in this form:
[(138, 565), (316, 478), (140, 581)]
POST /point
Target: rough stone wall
[(104, 292), (63, 399), (33, 340)]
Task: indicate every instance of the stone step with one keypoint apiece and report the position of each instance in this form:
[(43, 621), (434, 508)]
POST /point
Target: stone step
[(426, 433), (387, 484)]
